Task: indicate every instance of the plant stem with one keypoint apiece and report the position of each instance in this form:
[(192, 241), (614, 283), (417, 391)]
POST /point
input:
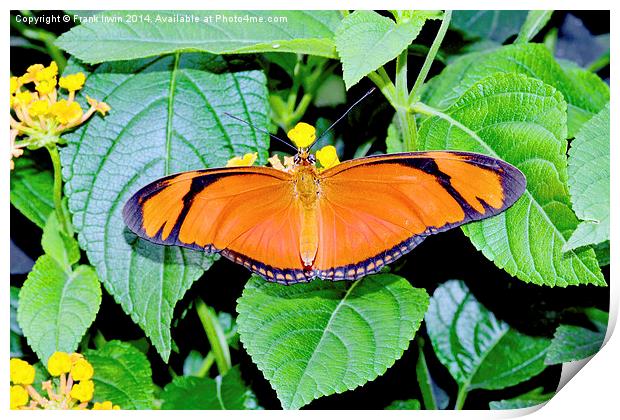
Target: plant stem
[(60, 212), (430, 57), (216, 336), (206, 365), (385, 85), (406, 119), (460, 398), (424, 379)]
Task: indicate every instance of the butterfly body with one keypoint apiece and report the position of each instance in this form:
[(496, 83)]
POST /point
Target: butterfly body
[(293, 224)]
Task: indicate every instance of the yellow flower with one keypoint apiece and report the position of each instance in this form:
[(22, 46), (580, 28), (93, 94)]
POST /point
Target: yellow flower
[(14, 84), (39, 108), (46, 86), (21, 372), (100, 107), (106, 405), (247, 160), (59, 363), (72, 82), (31, 73), (82, 370), (24, 98), (19, 397), (83, 391), (327, 157), (302, 135), (66, 112), (47, 73)]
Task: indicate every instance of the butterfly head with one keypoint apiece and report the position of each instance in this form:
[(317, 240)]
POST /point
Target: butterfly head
[(303, 135)]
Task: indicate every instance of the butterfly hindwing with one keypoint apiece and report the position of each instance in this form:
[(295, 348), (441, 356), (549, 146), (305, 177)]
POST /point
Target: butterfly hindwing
[(386, 205)]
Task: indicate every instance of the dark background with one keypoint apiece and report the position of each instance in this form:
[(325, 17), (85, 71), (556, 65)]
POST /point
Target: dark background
[(533, 310)]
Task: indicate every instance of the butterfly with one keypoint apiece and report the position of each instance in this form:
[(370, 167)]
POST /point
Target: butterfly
[(293, 223)]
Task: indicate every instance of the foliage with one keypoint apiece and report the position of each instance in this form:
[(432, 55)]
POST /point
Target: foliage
[(168, 90)]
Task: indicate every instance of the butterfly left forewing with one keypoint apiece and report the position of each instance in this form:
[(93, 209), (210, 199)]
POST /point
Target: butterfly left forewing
[(373, 210), (248, 214)]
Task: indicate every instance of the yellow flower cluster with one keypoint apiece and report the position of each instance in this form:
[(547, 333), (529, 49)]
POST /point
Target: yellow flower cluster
[(40, 115), (73, 390), (247, 160), (303, 135)]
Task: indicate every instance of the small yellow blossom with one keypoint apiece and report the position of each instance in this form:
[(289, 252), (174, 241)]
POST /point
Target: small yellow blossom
[(59, 363), (106, 405), (66, 112), (327, 157), (100, 107), (247, 160), (24, 98), (72, 82), (21, 372), (19, 397), (302, 135), (83, 391), (47, 86), (31, 73), (14, 84), (47, 73), (39, 107), (81, 370)]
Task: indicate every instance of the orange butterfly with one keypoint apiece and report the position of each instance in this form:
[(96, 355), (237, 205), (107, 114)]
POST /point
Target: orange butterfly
[(346, 220)]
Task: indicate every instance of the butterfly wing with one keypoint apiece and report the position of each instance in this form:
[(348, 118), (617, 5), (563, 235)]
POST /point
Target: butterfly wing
[(373, 210), (248, 214)]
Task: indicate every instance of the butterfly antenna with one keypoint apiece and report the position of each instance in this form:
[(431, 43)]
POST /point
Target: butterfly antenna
[(343, 115), (261, 130)]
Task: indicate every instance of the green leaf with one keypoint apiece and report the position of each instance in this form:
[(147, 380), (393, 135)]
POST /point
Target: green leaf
[(321, 338), (585, 93), (497, 25), (571, 343), (589, 181), (479, 350), (535, 21), (522, 121), (331, 92), (122, 375), (167, 116), (394, 141), (16, 331), (156, 33), (529, 399), (56, 306), (222, 393), (602, 253), (404, 405), (366, 40), (64, 249), (31, 190)]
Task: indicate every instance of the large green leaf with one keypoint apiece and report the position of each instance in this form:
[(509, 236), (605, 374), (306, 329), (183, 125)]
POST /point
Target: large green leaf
[(57, 305), (321, 338), (479, 350), (585, 93), (122, 375), (157, 32), (167, 116), (589, 181), (16, 331), (496, 25), (535, 21), (571, 343), (366, 40), (31, 190), (222, 393), (522, 121), (529, 399)]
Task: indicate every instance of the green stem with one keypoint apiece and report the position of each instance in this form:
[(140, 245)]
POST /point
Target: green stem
[(424, 378), (207, 362), (385, 85), (460, 398), (216, 336), (428, 61), (60, 212), (406, 119)]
